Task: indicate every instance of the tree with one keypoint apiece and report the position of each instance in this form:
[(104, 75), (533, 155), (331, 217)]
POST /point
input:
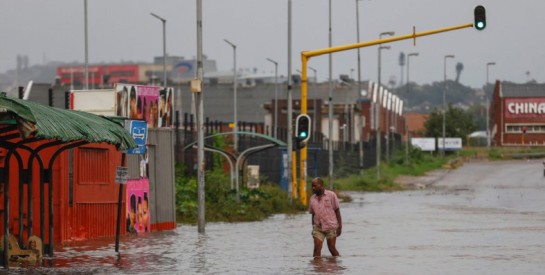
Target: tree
[(459, 69), (458, 123)]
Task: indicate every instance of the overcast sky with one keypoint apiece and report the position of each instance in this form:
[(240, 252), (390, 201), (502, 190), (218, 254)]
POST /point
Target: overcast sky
[(124, 30)]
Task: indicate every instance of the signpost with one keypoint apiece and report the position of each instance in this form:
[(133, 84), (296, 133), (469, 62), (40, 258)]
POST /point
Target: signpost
[(121, 175)]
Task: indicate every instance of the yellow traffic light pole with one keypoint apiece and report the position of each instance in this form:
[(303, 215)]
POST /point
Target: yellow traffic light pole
[(306, 55)]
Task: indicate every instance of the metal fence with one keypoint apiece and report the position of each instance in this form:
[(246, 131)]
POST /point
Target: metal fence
[(345, 154)]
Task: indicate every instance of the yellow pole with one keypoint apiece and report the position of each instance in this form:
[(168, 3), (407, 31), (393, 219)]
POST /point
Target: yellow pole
[(303, 162), (306, 55), (414, 35), (294, 174)]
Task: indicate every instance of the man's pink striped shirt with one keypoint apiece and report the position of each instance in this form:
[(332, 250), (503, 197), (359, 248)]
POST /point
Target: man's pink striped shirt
[(323, 208)]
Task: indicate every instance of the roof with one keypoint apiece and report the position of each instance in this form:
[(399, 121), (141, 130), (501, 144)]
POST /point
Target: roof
[(522, 90), (46, 122)]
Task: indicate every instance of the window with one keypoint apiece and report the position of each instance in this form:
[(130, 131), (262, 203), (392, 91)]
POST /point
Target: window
[(530, 129)]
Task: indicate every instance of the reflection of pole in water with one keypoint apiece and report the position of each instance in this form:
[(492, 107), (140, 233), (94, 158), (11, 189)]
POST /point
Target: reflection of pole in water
[(201, 247)]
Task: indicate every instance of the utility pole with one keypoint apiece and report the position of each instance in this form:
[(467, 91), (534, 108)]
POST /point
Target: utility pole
[(200, 130)]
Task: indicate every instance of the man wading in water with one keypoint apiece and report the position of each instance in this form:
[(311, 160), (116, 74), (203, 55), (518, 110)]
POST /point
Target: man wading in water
[(326, 218)]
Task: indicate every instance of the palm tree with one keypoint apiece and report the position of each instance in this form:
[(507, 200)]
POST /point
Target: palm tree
[(459, 69)]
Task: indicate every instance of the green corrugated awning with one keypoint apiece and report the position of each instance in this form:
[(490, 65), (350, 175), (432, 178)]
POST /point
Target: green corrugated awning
[(46, 122)]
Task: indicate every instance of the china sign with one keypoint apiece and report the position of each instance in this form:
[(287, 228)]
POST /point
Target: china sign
[(524, 107)]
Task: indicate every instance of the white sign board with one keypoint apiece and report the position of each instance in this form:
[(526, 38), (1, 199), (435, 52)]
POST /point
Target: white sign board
[(98, 102), (121, 174), (425, 144), (451, 144)]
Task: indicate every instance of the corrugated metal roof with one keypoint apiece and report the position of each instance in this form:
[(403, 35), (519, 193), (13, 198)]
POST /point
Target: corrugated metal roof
[(67, 125), (523, 90)]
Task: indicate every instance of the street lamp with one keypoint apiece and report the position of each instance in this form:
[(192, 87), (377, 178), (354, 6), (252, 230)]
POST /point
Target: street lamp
[(377, 109), (164, 21), (487, 106), (314, 106), (445, 99), (408, 97), (235, 129), (360, 124), (275, 128), (86, 45), (330, 106)]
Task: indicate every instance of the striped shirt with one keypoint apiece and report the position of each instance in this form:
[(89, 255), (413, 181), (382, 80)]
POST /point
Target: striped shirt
[(323, 208)]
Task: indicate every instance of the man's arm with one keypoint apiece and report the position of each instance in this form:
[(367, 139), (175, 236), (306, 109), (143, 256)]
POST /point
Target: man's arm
[(312, 220), (340, 221)]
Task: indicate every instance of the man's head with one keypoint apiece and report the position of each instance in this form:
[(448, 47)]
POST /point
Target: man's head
[(318, 186)]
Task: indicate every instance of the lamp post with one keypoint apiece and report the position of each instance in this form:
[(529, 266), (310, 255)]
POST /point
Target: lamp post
[(407, 105), (290, 177), (488, 106), (86, 45), (378, 107), (445, 99), (275, 128), (314, 106), (360, 124), (330, 106), (201, 164), (164, 21), (235, 129)]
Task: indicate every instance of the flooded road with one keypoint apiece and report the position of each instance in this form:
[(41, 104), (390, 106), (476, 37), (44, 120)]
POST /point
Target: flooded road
[(483, 218)]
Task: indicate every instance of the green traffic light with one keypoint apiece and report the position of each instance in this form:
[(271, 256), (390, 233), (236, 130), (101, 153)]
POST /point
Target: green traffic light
[(303, 134), (480, 17)]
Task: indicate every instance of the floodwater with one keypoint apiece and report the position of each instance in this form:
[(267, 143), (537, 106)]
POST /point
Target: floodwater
[(483, 218)]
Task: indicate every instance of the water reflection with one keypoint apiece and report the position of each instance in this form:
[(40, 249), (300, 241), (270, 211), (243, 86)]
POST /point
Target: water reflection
[(200, 259), (328, 265)]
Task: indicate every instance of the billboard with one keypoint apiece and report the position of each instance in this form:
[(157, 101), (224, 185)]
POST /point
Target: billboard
[(138, 212), (425, 144), (98, 102), (451, 144), (152, 104)]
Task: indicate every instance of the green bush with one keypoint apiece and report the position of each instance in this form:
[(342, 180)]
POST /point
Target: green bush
[(221, 201)]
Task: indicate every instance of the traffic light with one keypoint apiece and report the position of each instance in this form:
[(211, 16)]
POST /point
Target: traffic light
[(480, 17), (302, 127)]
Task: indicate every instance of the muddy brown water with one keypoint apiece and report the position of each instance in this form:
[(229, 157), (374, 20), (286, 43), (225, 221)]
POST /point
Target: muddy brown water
[(483, 218)]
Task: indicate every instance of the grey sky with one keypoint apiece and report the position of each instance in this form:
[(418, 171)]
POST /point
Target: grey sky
[(124, 30)]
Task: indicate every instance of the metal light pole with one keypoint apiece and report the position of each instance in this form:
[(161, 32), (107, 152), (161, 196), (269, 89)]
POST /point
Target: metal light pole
[(378, 107), (289, 141), (164, 21), (235, 129), (275, 128), (360, 124), (445, 100), (408, 106), (86, 46), (330, 106), (200, 130), (488, 106), (315, 107)]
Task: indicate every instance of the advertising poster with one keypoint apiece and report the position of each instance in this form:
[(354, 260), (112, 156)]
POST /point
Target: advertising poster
[(152, 104), (138, 212)]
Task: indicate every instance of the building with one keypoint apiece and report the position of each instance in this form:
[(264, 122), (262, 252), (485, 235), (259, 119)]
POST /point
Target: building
[(517, 114)]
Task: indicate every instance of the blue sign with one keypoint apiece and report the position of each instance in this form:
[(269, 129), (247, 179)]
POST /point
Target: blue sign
[(139, 132)]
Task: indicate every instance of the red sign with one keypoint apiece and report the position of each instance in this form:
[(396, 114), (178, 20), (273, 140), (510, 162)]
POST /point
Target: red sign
[(524, 107)]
